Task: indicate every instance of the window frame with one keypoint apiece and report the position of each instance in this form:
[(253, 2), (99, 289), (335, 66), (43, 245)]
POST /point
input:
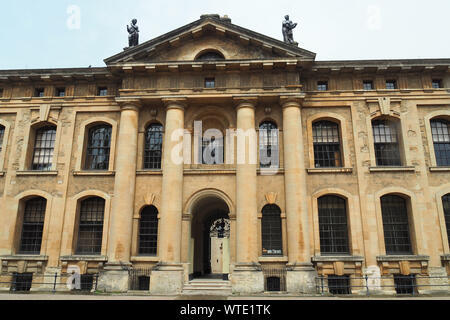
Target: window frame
[(328, 145), (271, 220), (394, 127), (264, 126), (43, 205), (442, 136), (157, 165), (154, 220), (322, 85), (392, 82), (372, 86), (39, 92), (89, 130), (37, 150), (79, 249)]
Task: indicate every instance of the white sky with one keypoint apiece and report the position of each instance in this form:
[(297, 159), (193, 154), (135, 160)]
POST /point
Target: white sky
[(48, 33)]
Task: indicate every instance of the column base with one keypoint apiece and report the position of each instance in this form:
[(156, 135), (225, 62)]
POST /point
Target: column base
[(247, 279), (114, 278), (167, 279), (301, 278)]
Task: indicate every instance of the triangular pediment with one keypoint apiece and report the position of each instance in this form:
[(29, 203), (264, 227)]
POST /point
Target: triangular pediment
[(213, 33)]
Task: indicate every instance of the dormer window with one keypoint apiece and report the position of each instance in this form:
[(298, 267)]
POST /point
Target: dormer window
[(210, 55)]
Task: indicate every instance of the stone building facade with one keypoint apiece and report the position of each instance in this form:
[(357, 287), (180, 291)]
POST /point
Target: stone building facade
[(89, 175)]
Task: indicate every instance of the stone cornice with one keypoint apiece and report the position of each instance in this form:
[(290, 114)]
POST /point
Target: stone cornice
[(174, 102), (245, 101), (126, 103)]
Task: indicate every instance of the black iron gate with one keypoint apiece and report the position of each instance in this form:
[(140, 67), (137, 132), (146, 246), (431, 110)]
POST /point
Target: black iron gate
[(139, 279)]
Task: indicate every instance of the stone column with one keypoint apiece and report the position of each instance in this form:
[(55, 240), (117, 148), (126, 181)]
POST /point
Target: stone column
[(115, 276), (167, 277), (247, 276), (300, 276)]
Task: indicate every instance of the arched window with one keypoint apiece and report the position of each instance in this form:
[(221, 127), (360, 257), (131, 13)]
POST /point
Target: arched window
[(446, 204), (387, 150), (327, 145), (268, 145), (441, 138), (2, 134), (210, 56), (43, 148), (272, 243), (396, 225), (148, 231), (153, 146), (333, 227), (98, 147), (33, 226), (90, 226)]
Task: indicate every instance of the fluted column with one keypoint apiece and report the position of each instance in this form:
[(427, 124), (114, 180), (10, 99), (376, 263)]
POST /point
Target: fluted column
[(301, 276)]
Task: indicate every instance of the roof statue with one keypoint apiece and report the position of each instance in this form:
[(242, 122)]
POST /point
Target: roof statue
[(288, 35), (133, 30)]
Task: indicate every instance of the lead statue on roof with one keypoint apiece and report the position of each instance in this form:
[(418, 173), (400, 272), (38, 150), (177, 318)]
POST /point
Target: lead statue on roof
[(133, 30), (288, 35)]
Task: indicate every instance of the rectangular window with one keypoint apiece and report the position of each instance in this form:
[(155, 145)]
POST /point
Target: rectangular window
[(405, 284), (437, 83), (2, 134), (368, 85), (210, 83), (39, 92), (86, 282), (102, 91), (322, 85), (391, 84), (43, 149), (61, 92), (339, 285), (21, 282), (1, 92)]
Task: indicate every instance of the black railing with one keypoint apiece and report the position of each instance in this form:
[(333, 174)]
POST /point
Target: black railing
[(139, 279), (57, 282), (274, 278), (400, 284)]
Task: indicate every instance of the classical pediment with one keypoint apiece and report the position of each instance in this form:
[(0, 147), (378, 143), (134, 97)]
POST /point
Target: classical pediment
[(210, 33)]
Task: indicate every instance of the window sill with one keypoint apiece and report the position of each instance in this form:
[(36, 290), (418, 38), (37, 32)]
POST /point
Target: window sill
[(333, 258), (402, 257), (269, 171), (329, 170), (145, 259), (392, 169), (149, 172), (273, 259), (36, 173), (209, 171), (84, 258), (28, 257), (94, 173), (440, 169)]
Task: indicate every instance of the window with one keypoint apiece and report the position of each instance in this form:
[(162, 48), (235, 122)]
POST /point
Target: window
[(86, 282), (102, 91), (440, 130), (1, 92), (43, 149), (33, 226), (210, 56), (148, 231), (268, 145), (273, 284), (212, 150), (387, 152), (98, 147), (90, 229), (339, 284), (2, 135), (272, 244), (446, 205), (391, 84), (436, 83), (153, 146), (21, 282), (368, 85), (322, 85), (333, 228), (327, 147), (405, 284), (39, 92), (60, 92), (210, 83), (396, 225)]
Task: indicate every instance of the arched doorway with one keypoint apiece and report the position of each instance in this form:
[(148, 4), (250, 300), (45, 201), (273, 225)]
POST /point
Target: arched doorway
[(210, 238)]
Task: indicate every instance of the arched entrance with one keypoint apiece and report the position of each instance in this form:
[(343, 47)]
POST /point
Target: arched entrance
[(210, 238)]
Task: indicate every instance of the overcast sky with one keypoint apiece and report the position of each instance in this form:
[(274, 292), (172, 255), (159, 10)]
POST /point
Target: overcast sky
[(79, 33)]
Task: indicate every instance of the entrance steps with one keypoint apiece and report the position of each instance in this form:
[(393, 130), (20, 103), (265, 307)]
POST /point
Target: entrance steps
[(202, 287)]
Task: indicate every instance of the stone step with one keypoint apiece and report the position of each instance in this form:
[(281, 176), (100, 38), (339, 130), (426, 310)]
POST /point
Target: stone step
[(207, 287)]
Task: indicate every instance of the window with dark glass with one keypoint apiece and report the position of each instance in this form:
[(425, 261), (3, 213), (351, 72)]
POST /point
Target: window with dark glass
[(405, 284), (21, 282), (387, 150), (32, 226), (90, 227), (210, 83), (268, 144), (39, 92), (436, 83), (60, 92), (102, 91), (322, 85), (327, 146), (212, 150), (272, 244), (339, 284), (153, 146), (148, 231), (446, 205), (86, 282), (1, 92), (98, 148), (396, 225), (440, 130), (368, 85), (333, 227), (43, 149), (391, 84), (210, 56), (2, 135)]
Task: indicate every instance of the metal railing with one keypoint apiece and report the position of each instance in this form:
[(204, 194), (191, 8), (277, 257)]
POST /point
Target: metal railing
[(57, 282), (274, 278), (393, 284), (139, 279)]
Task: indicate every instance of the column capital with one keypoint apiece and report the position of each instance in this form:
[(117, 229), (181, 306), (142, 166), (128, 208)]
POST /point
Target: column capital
[(291, 101), (174, 102), (245, 101), (129, 103)]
